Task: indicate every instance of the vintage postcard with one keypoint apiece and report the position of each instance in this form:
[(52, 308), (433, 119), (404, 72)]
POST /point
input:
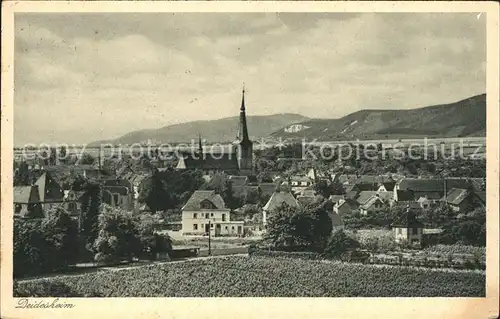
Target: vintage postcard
[(250, 160)]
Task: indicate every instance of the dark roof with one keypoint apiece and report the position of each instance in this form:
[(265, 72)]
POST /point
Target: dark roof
[(199, 196), (456, 196), (433, 185), (481, 196), (389, 186), (48, 189), (405, 195), (409, 220), (212, 161), (117, 182), (238, 180), (26, 195), (267, 189)]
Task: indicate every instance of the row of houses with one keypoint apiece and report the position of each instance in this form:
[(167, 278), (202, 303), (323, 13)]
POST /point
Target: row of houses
[(49, 189)]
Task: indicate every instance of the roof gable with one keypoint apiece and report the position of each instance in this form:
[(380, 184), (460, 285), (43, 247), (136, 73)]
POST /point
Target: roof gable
[(194, 202), (278, 199)]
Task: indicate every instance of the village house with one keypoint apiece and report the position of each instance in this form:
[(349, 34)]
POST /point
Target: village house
[(50, 192), (343, 207), (458, 199), (409, 230), (277, 200), (433, 189), (205, 212), (72, 202), (316, 175), (118, 196), (299, 183), (370, 202), (27, 202)]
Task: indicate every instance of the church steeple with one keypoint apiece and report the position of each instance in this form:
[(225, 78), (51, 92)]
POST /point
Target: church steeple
[(245, 154), (243, 130)]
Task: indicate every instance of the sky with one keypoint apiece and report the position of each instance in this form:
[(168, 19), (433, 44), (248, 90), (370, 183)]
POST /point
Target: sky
[(85, 77)]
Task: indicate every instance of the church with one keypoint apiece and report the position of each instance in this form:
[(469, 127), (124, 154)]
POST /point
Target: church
[(237, 160)]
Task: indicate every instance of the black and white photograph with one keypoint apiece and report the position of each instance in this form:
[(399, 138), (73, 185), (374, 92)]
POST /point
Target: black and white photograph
[(249, 154)]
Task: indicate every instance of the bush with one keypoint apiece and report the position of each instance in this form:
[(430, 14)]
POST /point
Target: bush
[(42, 246), (340, 243)]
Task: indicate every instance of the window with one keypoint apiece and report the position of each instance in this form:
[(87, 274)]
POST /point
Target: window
[(195, 215), (72, 206), (116, 199), (415, 231), (223, 217), (211, 214), (206, 205), (207, 215), (226, 228), (211, 225), (399, 231), (195, 226), (232, 228)]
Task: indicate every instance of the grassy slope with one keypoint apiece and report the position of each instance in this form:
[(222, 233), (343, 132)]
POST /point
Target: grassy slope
[(213, 131), (462, 118), (260, 277)]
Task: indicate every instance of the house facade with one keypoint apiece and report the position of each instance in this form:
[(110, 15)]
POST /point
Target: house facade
[(205, 212), (275, 202), (409, 229)]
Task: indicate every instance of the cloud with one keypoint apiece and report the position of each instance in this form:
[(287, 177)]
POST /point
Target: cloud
[(108, 74)]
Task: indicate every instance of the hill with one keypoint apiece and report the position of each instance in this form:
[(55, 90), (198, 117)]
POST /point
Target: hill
[(222, 130), (463, 118)]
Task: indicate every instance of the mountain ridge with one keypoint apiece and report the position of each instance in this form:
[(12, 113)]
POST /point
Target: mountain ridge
[(466, 117), (219, 130)]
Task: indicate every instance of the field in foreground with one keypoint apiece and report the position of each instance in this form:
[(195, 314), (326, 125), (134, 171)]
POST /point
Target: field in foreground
[(241, 276)]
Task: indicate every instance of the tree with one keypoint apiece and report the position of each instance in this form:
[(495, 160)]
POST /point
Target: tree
[(22, 175), (299, 228), (339, 243), (251, 196), (153, 193), (44, 245), (29, 251), (62, 154), (53, 156), (264, 177), (86, 159), (91, 201), (323, 188), (150, 241), (117, 239), (61, 232)]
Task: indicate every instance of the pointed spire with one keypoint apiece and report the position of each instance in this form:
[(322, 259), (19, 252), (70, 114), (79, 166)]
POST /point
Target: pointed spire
[(243, 99), (243, 130), (200, 146)]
